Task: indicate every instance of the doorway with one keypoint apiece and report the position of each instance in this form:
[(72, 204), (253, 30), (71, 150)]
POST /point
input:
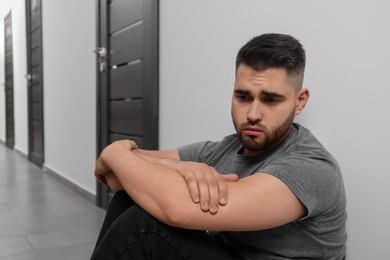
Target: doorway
[(127, 83)]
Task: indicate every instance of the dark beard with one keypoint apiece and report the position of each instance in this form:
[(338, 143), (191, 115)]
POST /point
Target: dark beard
[(271, 139)]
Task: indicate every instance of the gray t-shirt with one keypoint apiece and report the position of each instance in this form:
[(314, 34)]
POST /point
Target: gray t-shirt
[(306, 167)]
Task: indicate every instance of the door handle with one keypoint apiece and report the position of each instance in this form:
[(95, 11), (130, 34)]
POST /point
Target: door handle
[(101, 51)]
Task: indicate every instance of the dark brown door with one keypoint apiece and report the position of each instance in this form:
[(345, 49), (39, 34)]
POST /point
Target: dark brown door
[(127, 76), (35, 84), (9, 82)]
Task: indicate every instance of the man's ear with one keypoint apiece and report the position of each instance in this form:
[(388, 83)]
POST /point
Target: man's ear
[(302, 98)]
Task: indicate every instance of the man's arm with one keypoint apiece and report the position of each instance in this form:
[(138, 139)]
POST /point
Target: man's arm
[(256, 202), (206, 186), (152, 155)]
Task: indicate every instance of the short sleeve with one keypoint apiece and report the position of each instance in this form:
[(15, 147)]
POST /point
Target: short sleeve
[(315, 180), (197, 152)]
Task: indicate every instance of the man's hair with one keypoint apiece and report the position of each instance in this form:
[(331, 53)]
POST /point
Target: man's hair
[(273, 50)]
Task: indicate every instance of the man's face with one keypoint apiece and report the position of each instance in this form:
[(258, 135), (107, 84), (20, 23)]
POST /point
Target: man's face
[(264, 105)]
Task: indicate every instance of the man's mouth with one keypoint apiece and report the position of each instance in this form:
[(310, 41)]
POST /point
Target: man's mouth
[(252, 131)]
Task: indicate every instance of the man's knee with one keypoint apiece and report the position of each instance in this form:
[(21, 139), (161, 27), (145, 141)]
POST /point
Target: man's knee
[(138, 235)]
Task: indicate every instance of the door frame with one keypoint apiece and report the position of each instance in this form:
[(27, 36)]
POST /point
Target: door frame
[(150, 84), (9, 84), (101, 95), (38, 160)]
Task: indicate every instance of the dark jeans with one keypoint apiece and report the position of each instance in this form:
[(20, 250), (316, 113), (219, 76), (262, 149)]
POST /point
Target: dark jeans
[(128, 232)]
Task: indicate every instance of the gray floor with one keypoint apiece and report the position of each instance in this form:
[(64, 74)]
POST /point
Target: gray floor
[(41, 218)]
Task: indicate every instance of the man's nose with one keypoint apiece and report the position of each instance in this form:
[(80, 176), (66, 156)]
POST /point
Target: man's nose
[(255, 112)]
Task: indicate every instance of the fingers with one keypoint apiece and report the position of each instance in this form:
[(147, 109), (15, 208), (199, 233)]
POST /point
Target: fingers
[(222, 185), (231, 177), (101, 168), (213, 198), (209, 192), (100, 171), (192, 185), (206, 186), (222, 189), (129, 144)]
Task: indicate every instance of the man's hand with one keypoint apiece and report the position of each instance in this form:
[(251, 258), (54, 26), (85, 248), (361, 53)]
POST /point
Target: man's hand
[(129, 144), (104, 174), (206, 186), (101, 169)]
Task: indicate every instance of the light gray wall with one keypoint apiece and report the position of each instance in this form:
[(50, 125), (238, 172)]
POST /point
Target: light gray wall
[(347, 45), (347, 48), (69, 38)]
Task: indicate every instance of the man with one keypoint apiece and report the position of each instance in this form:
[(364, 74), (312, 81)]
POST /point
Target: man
[(270, 191)]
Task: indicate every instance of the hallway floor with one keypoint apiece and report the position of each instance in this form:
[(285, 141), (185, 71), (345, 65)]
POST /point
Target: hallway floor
[(40, 217)]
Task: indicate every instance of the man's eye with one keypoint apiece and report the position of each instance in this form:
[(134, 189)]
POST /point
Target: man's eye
[(271, 101), (242, 97)]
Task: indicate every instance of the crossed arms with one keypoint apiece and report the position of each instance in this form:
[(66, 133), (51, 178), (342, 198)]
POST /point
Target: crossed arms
[(172, 190)]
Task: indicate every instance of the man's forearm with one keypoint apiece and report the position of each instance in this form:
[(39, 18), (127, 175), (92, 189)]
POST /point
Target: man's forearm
[(167, 162), (205, 184), (146, 182)]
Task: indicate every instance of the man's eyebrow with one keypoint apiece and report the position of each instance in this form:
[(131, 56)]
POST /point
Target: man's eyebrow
[(271, 94), (242, 92)]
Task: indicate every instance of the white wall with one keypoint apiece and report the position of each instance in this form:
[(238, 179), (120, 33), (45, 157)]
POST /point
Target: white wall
[(347, 44), (69, 38)]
